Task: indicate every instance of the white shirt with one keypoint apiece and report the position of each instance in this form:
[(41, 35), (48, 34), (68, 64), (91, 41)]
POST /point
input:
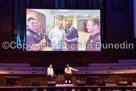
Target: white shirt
[(69, 70), (56, 37), (50, 71)]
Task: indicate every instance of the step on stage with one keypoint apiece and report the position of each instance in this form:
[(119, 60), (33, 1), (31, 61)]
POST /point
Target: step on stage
[(67, 88)]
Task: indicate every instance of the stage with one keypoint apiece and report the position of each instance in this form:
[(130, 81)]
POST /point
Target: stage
[(53, 88)]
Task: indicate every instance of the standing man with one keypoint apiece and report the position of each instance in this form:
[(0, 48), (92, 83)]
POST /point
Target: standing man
[(50, 72), (57, 37), (72, 37), (68, 73), (93, 43), (34, 41)]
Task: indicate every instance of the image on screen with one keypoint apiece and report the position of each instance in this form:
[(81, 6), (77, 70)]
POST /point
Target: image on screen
[(63, 30)]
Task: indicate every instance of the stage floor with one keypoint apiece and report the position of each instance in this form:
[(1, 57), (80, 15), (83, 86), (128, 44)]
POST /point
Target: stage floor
[(69, 88)]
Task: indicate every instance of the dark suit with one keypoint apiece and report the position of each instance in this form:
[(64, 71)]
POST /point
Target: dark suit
[(32, 38), (72, 36), (93, 42)]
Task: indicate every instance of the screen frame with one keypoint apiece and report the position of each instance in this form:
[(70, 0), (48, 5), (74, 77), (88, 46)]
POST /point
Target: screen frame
[(102, 24), (134, 10)]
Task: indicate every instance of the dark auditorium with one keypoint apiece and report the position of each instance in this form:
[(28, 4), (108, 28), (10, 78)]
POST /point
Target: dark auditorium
[(67, 45)]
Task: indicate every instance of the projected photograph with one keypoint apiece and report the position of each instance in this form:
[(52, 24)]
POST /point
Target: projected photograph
[(63, 30)]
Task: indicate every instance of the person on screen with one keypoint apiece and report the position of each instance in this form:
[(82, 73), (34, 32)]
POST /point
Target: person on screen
[(72, 37), (34, 41), (50, 72), (93, 43), (57, 36), (68, 73)]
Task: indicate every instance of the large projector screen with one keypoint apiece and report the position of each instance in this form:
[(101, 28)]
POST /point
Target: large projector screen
[(63, 30)]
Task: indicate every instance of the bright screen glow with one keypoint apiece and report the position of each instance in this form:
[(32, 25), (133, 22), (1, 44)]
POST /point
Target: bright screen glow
[(63, 30)]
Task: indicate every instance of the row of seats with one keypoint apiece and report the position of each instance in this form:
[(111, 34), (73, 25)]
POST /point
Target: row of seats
[(106, 72), (14, 65), (122, 67), (21, 72), (106, 68), (10, 68), (127, 61), (24, 68), (112, 64)]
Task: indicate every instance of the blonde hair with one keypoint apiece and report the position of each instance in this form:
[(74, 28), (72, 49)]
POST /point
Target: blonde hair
[(59, 22)]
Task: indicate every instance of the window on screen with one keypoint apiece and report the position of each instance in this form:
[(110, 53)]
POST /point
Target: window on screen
[(63, 30)]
